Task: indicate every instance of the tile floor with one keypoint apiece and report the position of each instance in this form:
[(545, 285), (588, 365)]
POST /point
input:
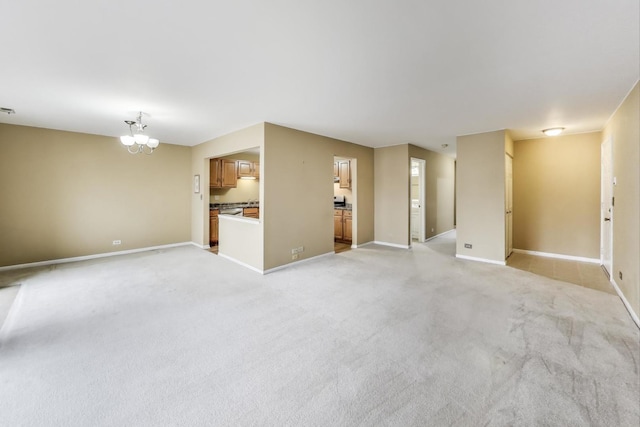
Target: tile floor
[(580, 273), (341, 247)]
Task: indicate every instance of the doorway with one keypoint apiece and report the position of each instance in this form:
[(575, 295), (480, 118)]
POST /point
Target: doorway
[(344, 203), (417, 220), (606, 206)]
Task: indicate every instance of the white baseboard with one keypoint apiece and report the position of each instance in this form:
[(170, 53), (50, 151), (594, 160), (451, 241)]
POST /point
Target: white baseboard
[(393, 245), (280, 267), (558, 256), (632, 313), (243, 264), (489, 261), (440, 235), (94, 256), (361, 245)]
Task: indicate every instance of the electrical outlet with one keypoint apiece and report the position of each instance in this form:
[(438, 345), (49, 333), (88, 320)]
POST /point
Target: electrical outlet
[(620, 274), (468, 245), (433, 229), (117, 242), (216, 197), (294, 257)]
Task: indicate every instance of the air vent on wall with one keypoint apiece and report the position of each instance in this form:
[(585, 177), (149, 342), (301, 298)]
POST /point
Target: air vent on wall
[(7, 110)]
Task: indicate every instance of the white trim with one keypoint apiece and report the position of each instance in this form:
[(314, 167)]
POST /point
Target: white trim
[(94, 256), (200, 246), (280, 267), (393, 245), (489, 261), (632, 313), (440, 235), (243, 264), (558, 256), (354, 246)]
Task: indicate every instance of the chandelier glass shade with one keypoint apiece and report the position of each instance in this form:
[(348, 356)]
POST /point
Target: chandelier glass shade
[(137, 141)]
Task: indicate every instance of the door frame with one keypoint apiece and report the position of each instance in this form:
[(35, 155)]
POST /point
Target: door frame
[(508, 198), (606, 205), (422, 165)]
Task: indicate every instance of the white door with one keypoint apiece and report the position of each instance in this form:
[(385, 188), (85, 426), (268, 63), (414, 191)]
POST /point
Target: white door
[(417, 220), (606, 206), (508, 205)]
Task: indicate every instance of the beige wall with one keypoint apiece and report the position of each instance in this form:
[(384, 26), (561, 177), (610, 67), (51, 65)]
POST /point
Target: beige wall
[(298, 193), (392, 195), (66, 194), (480, 195), (624, 129), (439, 190), (556, 195)]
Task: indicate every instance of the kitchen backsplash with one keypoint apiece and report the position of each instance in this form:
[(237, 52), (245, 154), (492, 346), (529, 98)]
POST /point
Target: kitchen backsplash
[(246, 189)]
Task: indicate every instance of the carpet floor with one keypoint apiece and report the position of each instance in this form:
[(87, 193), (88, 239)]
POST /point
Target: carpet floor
[(372, 336)]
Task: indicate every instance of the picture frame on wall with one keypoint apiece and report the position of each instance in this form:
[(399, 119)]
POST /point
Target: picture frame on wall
[(196, 183)]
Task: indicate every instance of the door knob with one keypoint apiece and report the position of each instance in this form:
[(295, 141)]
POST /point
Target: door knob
[(607, 219)]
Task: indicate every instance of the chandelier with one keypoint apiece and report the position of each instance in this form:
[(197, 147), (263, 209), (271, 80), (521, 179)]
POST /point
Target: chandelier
[(137, 142)]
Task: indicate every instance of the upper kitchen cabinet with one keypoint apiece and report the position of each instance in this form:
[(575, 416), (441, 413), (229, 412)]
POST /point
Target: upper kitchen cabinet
[(344, 173), (223, 173), (247, 169)]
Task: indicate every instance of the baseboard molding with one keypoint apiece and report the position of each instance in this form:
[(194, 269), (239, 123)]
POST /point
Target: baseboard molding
[(392, 245), (558, 256), (488, 261), (439, 235), (632, 313), (243, 264), (361, 245), (94, 256), (280, 267)]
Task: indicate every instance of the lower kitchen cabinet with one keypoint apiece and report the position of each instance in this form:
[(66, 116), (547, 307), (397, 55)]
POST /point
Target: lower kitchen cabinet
[(342, 225), (251, 212), (213, 227)]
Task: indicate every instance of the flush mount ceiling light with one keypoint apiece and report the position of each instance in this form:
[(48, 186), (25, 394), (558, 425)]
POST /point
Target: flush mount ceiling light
[(553, 131), (137, 142)]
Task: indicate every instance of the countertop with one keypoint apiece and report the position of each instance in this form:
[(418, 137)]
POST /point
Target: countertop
[(233, 205)]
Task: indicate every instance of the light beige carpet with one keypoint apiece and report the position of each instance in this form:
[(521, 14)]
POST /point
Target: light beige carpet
[(372, 336)]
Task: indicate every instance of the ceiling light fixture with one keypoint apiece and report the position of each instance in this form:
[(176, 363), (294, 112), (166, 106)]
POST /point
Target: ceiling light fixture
[(553, 131), (137, 142), (7, 110)]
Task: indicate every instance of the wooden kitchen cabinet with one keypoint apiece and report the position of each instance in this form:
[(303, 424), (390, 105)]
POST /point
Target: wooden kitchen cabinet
[(247, 169), (344, 173), (223, 173), (347, 225), (336, 170), (337, 224), (213, 227), (251, 212), (342, 225)]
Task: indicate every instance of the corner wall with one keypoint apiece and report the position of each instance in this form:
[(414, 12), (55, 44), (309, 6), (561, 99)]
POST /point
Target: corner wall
[(392, 190), (480, 196), (298, 193), (66, 194), (624, 129)]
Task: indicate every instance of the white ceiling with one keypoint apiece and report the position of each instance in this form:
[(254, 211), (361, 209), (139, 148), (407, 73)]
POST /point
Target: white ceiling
[(375, 73)]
